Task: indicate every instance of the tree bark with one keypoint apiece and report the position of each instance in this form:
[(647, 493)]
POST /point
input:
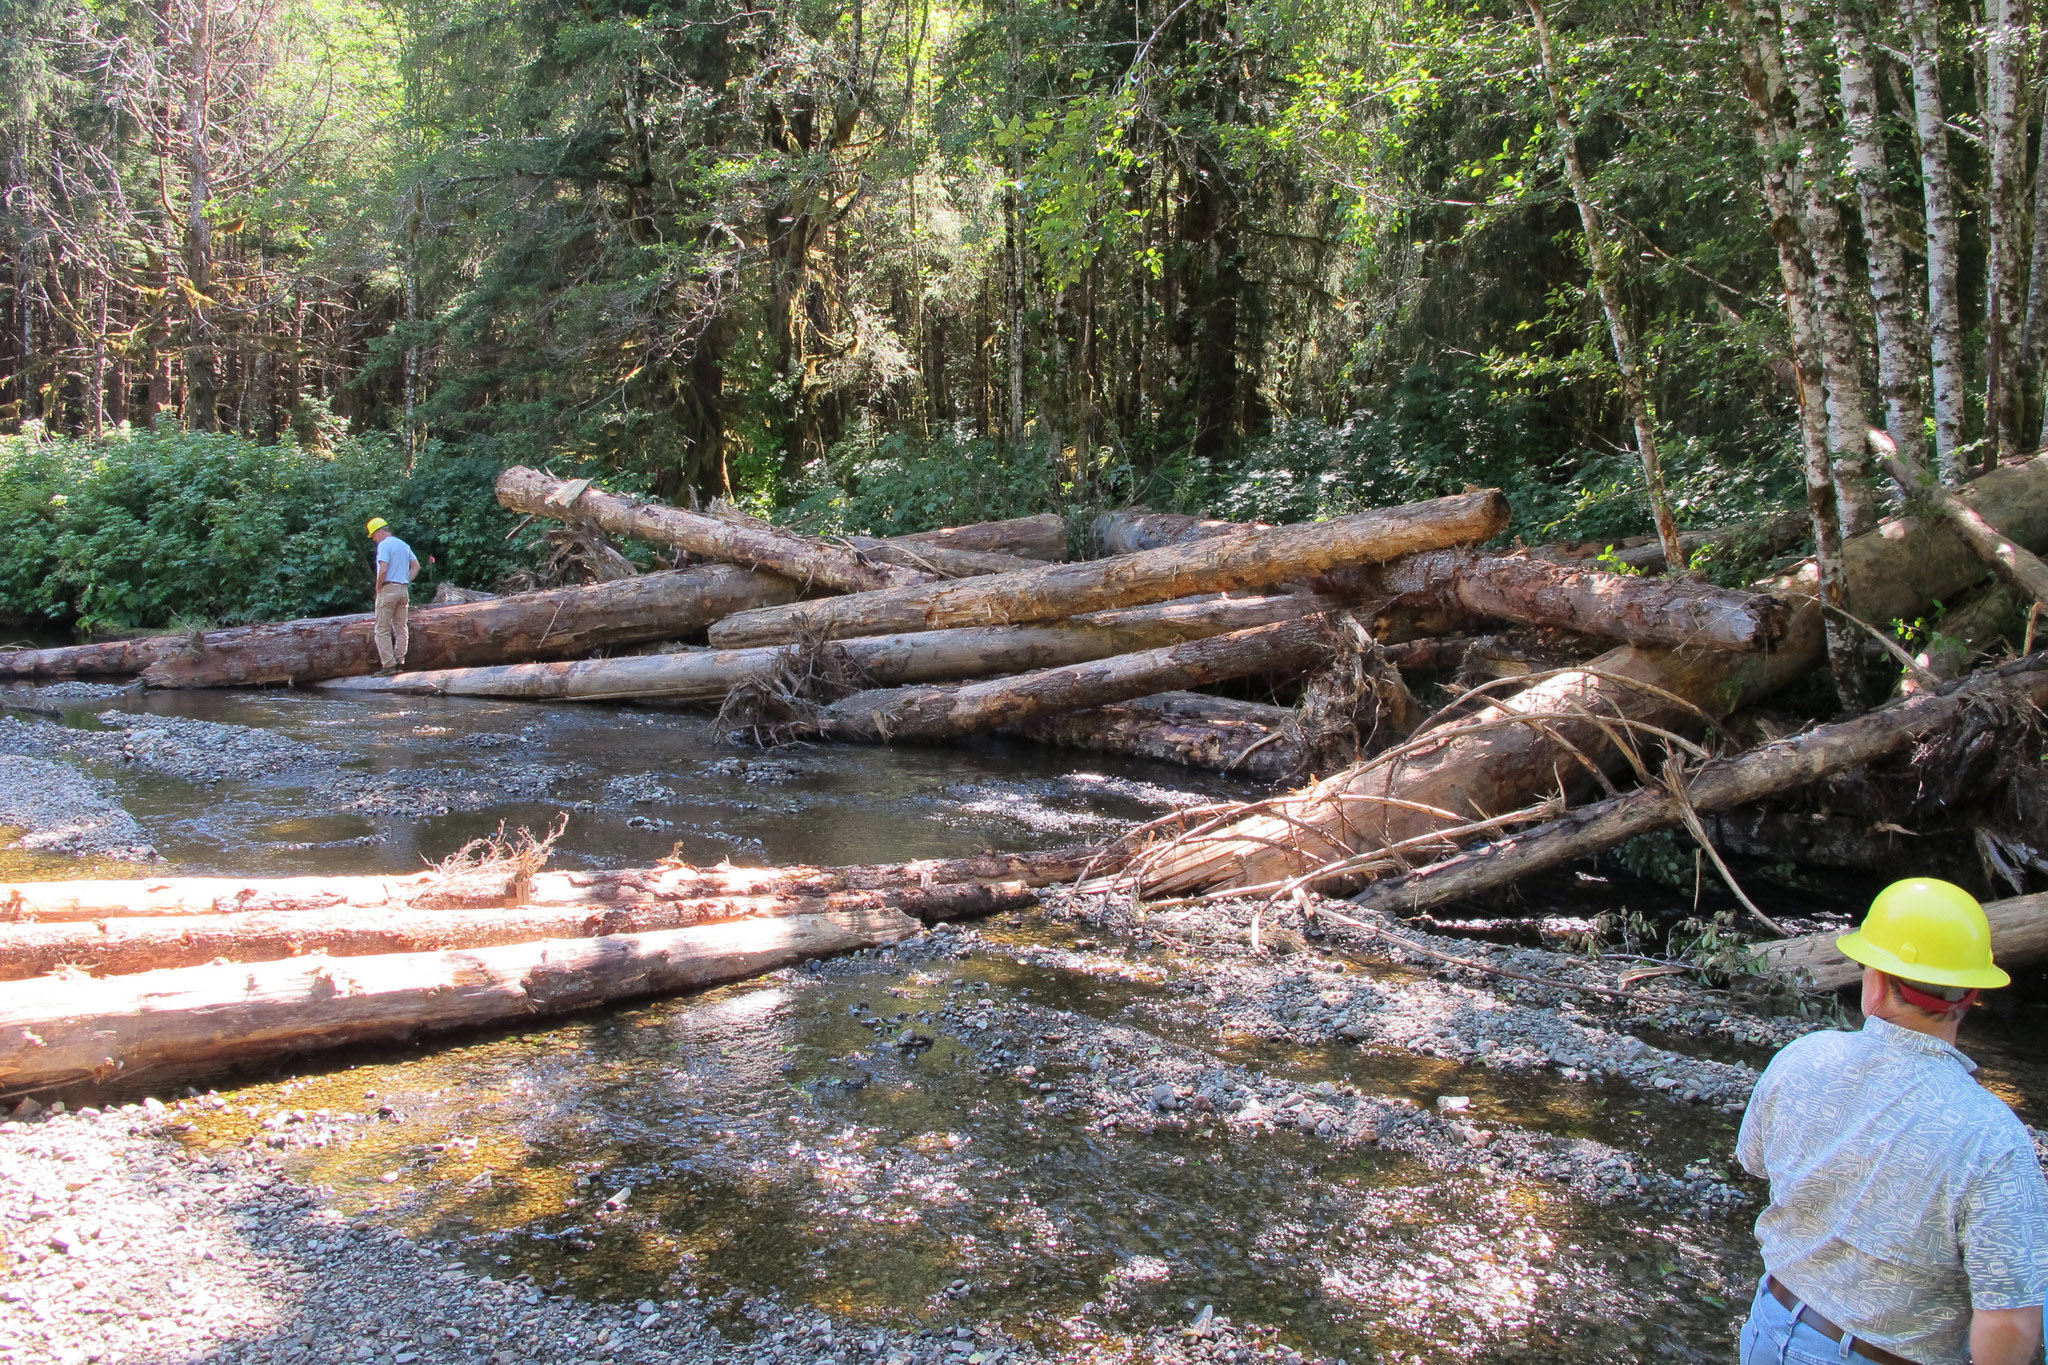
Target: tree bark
[(118, 947), (2019, 938), (805, 559), (2005, 136), (1901, 358), (708, 675), (1042, 536), (54, 902), (1241, 559), (528, 625), (930, 714), (1498, 759), (1944, 311), (113, 659), (1720, 785), (1605, 262), (1532, 592), (1123, 533), (193, 1020), (1219, 734)]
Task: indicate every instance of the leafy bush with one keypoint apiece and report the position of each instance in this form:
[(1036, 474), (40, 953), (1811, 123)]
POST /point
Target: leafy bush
[(147, 528), (896, 484)]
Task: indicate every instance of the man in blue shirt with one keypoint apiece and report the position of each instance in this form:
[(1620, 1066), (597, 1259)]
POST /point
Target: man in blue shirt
[(396, 568)]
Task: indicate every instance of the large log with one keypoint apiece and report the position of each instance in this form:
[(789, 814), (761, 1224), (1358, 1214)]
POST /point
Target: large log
[(1720, 785), (528, 625), (1648, 611), (111, 659), (2019, 938), (751, 544), (707, 675), (2014, 563), (1042, 537), (1502, 757), (114, 947), (1192, 729), (160, 1026), (1237, 560), (931, 714), (483, 889), (1127, 532)]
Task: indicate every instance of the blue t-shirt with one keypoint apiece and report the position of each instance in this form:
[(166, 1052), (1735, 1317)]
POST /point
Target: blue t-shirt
[(397, 558)]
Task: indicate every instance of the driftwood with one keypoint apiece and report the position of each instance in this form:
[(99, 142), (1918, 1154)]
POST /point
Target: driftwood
[(709, 675), (1230, 562), (112, 947), (489, 887), (929, 714), (1651, 611), (192, 1020), (751, 544), (1221, 734), (2019, 938), (1564, 728), (530, 625), (1719, 785)]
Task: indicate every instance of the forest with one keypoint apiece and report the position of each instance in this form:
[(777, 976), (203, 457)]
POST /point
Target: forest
[(876, 267)]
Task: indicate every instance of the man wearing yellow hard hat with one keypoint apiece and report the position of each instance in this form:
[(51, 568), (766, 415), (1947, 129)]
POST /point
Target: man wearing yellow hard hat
[(396, 569), (1908, 1221)]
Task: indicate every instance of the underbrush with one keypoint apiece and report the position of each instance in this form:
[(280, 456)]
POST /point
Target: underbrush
[(147, 529)]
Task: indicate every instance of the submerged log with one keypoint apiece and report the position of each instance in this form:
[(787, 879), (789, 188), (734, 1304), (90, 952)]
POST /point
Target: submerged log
[(1192, 729), (1239, 559), (707, 675), (1650, 611), (481, 889), (2019, 938), (528, 625), (113, 947), (191, 1020), (1719, 785), (1501, 758), (753, 545), (930, 714)]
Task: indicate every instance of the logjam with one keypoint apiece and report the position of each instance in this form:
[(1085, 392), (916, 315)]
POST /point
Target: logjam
[(1719, 785), (1249, 558), (488, 888), (1498, 759), (708, 675), (2019, 938), (120, 946), (190, 1020), (1649, 611), (1193, 729), (930, 714), (751, 544), (561, 622)]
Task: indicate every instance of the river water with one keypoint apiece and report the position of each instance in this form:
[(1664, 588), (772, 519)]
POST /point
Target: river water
[(771, 1139)]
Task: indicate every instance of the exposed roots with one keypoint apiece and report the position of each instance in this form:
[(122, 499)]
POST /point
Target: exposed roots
[(783, 704), (1356, 698), (496, 870)]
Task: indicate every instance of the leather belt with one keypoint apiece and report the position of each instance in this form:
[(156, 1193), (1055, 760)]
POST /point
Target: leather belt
[(1812, 1317)]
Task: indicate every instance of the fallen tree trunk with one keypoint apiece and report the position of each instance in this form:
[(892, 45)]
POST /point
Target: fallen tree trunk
[(2019, 938), (1123, 533), (527, 625), (938, 561), (754, 545), (707, 676), (1649, 611), (2014, 563), (1719, 785), (930, 714), (483, 889), (1501, 758), (1239, 559), (113, 659), (117, 947), (1042, 536), (192, 1020), (1219, 734)]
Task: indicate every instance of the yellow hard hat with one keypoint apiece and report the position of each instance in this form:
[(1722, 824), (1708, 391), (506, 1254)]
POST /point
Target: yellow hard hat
[(1928, 931), (376, 524)]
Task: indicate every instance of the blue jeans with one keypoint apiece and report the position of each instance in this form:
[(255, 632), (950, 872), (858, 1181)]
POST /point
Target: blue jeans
[(1771, 1338)]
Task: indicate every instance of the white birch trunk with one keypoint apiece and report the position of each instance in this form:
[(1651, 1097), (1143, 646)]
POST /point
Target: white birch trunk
[(1944, 312), (2005, 135)]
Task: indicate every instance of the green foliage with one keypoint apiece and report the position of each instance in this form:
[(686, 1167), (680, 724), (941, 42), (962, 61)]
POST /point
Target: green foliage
[(893, 484), (147, 528), (1662, 857)]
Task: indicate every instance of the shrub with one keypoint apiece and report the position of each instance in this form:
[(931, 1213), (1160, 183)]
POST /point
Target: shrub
[(149, 528)]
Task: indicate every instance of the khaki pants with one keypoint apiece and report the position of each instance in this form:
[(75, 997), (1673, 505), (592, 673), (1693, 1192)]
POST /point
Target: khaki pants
[(394, 604)]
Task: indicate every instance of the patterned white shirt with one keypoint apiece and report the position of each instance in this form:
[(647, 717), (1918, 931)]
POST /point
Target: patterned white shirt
[(1903, 1193)]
